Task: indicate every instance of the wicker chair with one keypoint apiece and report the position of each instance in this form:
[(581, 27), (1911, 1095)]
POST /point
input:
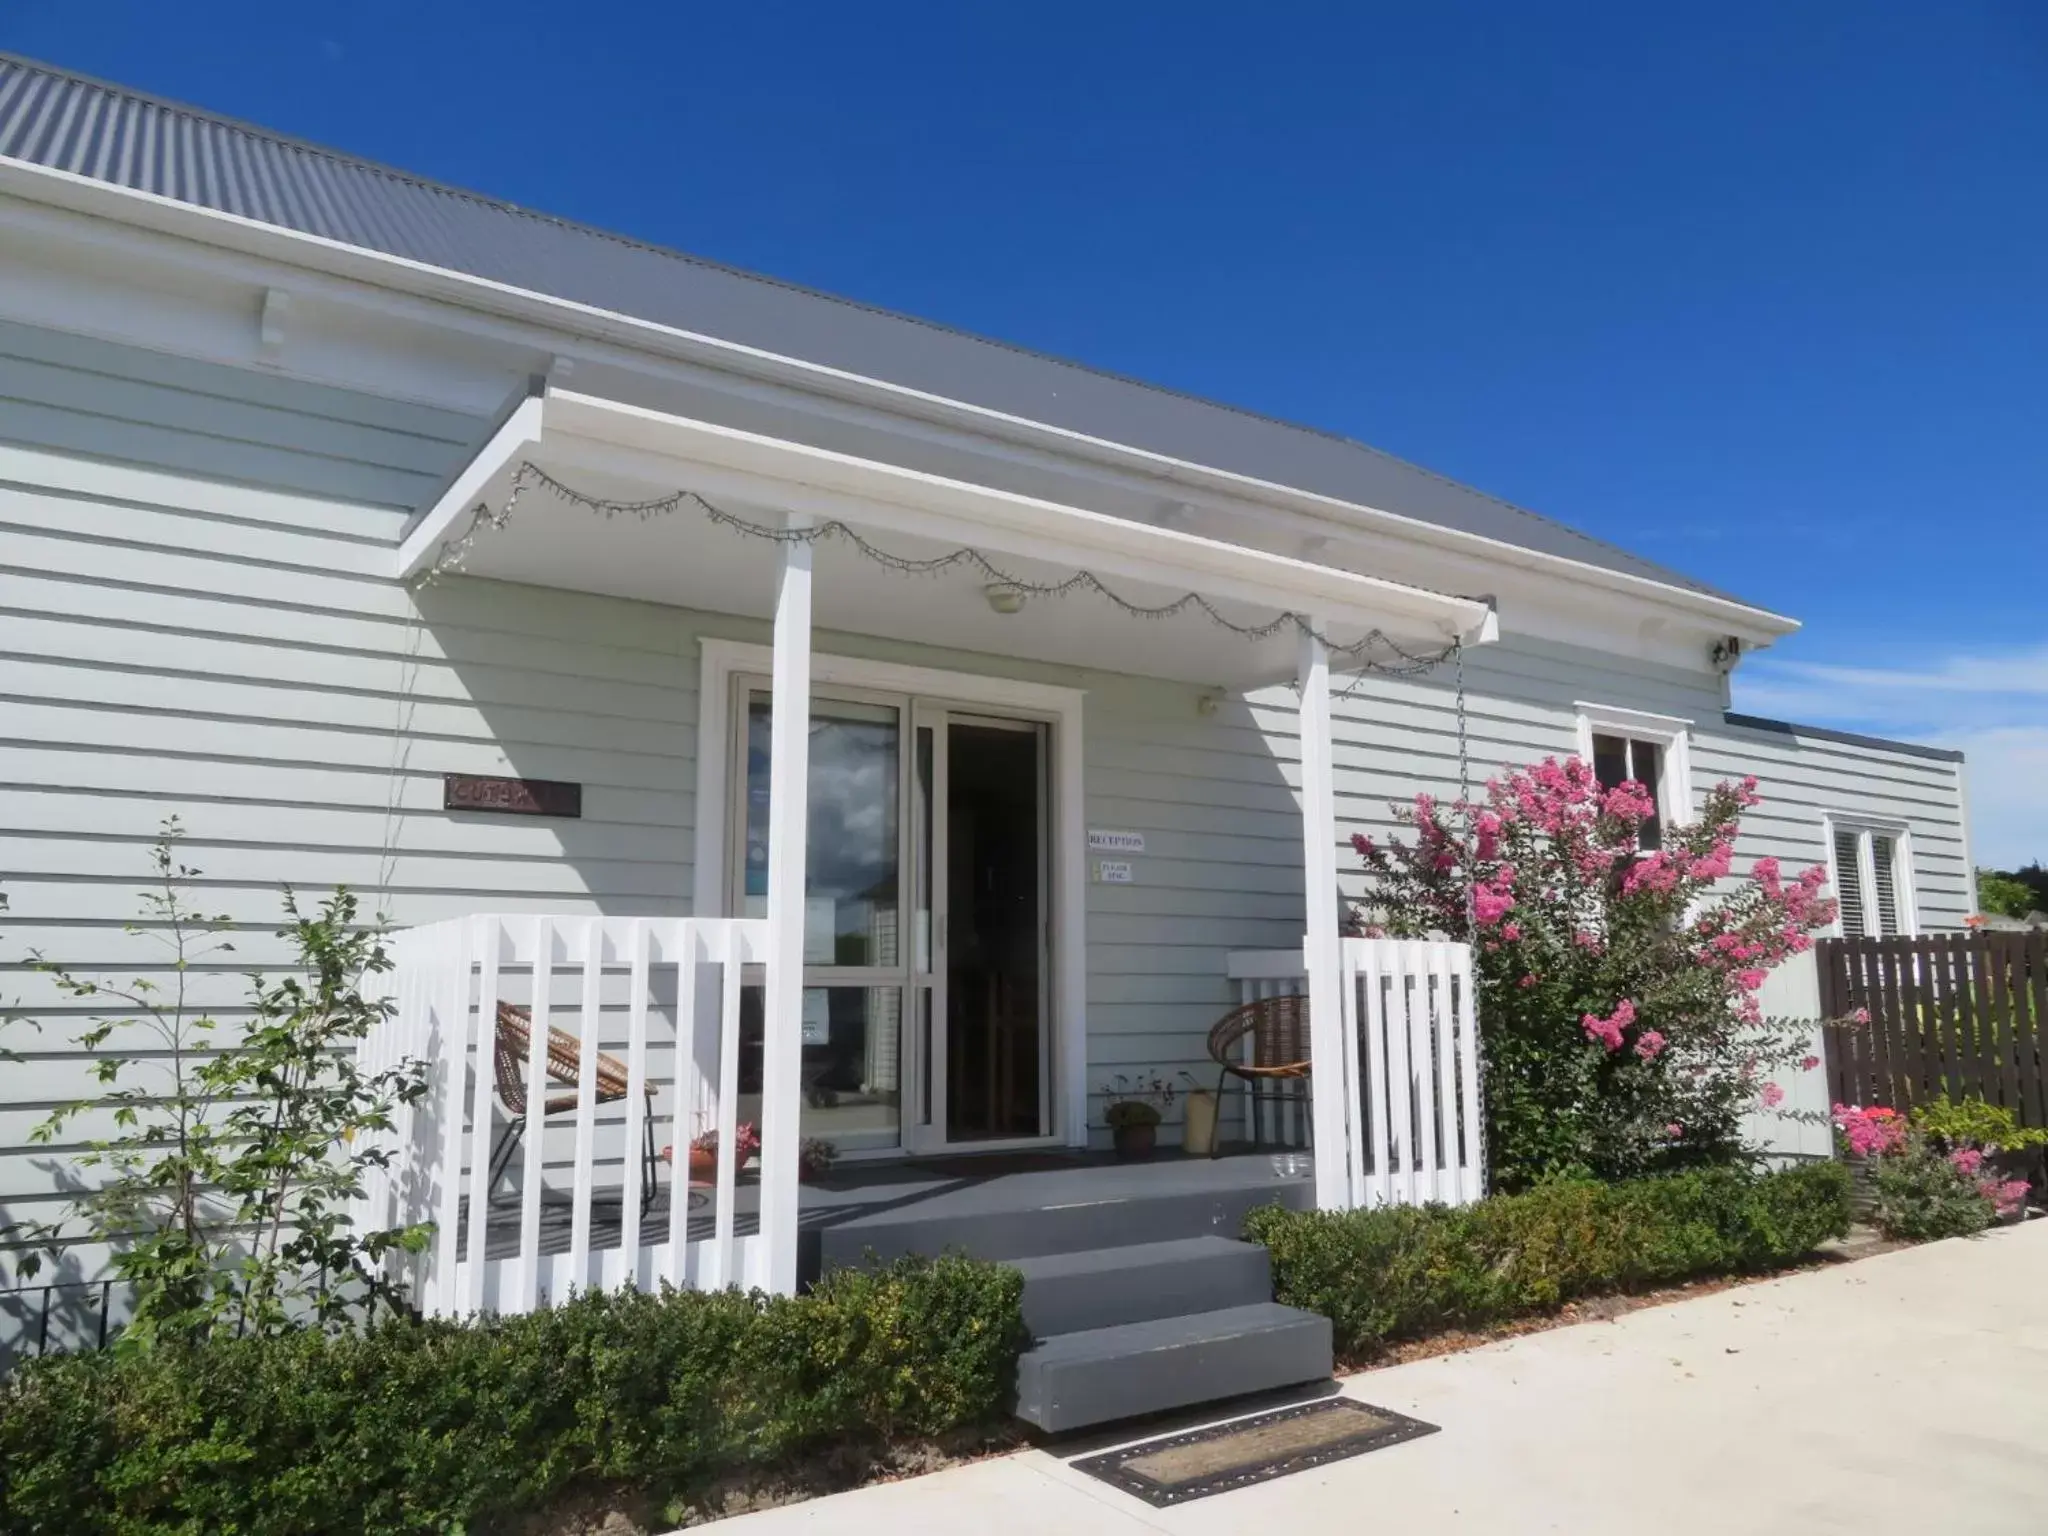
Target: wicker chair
[(565, 1054), (1278, 1029)]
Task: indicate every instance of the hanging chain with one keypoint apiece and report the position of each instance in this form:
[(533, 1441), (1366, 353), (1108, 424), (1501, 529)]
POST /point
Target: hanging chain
[(1356, 654)]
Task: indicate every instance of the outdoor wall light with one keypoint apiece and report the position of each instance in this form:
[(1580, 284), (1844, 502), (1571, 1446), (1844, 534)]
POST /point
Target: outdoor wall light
[(1003, 597)]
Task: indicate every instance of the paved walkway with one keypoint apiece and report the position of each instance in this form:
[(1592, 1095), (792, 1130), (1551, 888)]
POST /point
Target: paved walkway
[(1903, 1393)]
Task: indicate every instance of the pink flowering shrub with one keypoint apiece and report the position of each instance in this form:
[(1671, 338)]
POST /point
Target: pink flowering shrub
[(1870, 1132), (1927, 1185), (1618, 1009)]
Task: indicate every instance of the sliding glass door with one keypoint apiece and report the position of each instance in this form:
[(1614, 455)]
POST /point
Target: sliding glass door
[(926, 1022)]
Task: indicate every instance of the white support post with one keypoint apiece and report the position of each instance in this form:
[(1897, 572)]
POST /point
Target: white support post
[(1332, 1117), (789, 753)]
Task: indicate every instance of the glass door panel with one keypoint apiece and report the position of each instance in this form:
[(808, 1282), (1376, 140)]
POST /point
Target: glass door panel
[(926, 898), (995, 910), (854, 956)]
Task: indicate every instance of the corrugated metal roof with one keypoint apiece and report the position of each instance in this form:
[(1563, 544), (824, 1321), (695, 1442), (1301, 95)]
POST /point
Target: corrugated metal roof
[(53, 118)]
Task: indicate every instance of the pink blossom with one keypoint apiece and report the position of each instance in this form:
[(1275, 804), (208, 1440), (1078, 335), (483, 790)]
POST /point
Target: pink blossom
[(1649, 1044), (1750, 980), (1859, 1016), (1527, 981), (2007, 1196), (1967, 1160), (1629, 802), (1808, 1063), (1586, 939), (1772, 1095), (1364, 845), (1489, 906), (1510, 932), (1605, 1031), (1870, 1132), (1674, 1129)]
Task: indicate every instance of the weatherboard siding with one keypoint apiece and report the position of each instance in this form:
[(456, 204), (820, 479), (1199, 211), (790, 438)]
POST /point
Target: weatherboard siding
[(194, 621)]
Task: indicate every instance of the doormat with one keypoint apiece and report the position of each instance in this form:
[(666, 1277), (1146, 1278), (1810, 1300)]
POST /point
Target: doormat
[(1200, 1462)]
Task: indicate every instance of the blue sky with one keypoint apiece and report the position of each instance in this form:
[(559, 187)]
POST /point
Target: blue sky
[(1753, 288)]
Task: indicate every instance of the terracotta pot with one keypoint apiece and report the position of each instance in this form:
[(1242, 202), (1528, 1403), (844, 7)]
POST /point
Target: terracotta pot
[(704, 1165), (1135, 1140)]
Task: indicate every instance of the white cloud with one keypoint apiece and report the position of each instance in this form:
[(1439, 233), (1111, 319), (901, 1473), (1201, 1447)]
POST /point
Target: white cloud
[(1993, 707)]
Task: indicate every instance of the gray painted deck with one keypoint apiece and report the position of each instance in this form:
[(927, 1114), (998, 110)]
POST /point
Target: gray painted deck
[(995, 1206)]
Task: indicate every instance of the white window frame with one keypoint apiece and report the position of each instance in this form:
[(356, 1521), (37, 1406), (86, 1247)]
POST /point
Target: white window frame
[(1904, 890), (1671, 735), (725, 660)]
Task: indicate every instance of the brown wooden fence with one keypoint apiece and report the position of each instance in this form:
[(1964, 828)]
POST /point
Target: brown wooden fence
[(1961, 1014)]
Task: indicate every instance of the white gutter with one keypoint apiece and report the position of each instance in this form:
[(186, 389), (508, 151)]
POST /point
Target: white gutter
[(149, 210)]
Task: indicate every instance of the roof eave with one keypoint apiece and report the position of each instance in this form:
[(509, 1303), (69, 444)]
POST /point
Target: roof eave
[(233, 232)]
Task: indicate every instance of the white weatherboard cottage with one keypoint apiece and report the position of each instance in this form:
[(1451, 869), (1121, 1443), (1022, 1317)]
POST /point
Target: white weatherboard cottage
[(253, 391)]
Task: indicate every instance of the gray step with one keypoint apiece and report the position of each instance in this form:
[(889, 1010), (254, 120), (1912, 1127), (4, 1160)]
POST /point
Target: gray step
[(1102, 1287), (1073, 1380), (1080, 1220)]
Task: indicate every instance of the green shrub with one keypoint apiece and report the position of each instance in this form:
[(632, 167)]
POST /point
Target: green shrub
[(1397, 1272), (1922, 1193), (437, 1427), (1974, 1123)]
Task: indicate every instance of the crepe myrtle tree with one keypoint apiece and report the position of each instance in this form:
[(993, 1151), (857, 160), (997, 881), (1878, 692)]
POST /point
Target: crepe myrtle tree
[(1619, 1021)]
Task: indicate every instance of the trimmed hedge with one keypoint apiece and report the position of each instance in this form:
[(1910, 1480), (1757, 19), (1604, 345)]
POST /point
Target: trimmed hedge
[(438, 1427), (1397, 1272)]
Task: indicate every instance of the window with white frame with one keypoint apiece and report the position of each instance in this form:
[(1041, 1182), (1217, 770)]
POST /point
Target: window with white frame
[(1630, 746), (1871, 863)]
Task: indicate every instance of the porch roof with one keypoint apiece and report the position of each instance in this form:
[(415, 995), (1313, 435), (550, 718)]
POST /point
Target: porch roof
[(621, 452)]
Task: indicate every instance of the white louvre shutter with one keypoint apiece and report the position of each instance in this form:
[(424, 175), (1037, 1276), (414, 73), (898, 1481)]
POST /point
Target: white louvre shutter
[(1884, 863), (1849, 883)]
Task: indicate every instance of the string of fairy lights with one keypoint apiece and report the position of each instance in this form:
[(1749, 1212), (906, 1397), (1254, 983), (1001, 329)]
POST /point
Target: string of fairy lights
[(1376, 653)]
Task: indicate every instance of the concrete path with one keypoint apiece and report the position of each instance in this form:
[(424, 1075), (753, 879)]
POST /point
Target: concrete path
[(1902, 1393)]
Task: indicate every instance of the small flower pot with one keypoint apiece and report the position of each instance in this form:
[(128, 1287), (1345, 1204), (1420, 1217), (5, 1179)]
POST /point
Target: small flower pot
[(1135, 1141), (704, 1164)]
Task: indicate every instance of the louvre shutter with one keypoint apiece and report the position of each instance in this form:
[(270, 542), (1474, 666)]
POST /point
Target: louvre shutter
[(1883, 862), (1849, 883)]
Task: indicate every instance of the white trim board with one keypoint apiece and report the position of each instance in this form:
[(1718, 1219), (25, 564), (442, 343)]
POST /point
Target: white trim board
[(1676, 798), (723, 660), (1905, 889)]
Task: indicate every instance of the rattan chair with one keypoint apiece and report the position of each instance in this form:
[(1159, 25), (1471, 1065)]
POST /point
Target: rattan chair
[(565, 1055), (1278, 1030)]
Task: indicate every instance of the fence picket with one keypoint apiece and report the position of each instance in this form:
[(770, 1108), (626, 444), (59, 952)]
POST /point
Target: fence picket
[(1472, 1137), (1446, 1093), (688, 1086), (2032, 1059), (591, 1004), (637, 942), (732, 964), (489, 936), (439, 1296), (1372, 1090), (526, 1295), (1355, 1094)]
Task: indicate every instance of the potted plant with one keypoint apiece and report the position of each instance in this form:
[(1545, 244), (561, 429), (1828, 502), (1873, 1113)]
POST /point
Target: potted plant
[(814, 1158), (1136, 1106), (704, 1152)]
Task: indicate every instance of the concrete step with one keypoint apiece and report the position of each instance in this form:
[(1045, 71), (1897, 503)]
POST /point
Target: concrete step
[(1095, 1215), (1102, 1287), (1072, 1380)]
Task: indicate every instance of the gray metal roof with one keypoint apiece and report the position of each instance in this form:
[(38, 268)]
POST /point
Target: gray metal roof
[(56, 119)]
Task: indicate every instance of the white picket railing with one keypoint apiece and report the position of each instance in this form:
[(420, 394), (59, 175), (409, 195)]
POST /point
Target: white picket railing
[(674, 986), (1409, 1080)]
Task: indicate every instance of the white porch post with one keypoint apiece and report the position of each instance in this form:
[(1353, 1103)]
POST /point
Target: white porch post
[(1320, 951), (789, 754)]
